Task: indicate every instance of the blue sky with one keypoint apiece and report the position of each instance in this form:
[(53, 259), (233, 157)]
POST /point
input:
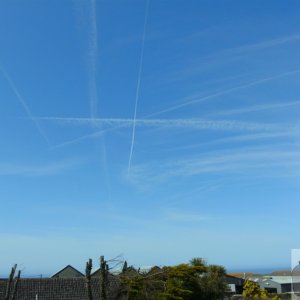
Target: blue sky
[(159, 130)]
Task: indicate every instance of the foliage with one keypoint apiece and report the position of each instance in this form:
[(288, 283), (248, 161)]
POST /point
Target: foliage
[(140, 286), (88, 271), (12, 284), (194, 281), (253, 291), (212, 284), (182, 282), (275, 298)]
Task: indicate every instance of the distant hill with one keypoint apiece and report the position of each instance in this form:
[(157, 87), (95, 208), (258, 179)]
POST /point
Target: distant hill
[(242, 274), (285, 273), (274, 273)]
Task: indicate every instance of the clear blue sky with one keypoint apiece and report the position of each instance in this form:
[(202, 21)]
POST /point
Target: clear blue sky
[(162, 142)]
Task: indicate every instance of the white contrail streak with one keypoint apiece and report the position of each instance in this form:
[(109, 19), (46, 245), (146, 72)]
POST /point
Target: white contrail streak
[(256, 46), (268, 43), (138, 85), (92, 61), (85, 137), (191, 123), (125, 123), (24, 104), (240, 138), (224, 92), (74, 141), (253, 161), (255, 108), (93, 55)]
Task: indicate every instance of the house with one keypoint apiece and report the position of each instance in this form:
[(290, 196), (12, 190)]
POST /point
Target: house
[(96, 273), (235, 284), (67, 272), (278, 284)]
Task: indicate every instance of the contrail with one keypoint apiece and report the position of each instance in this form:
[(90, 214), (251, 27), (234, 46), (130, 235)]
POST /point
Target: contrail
[(192, 124), (93, 90), (98, 133), (256, 46), (24, 104), (189, 123), (138, 84), (240, 138), (268, 43), (224, 92), (255, 108), (85, 137), (92, 55), (125, 124)]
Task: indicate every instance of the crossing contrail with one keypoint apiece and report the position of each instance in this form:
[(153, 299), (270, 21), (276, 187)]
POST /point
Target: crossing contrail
[(224, 92), (92, 61), (185, 124), (24, 104), (93, 89), (138, 85), (188, 123)]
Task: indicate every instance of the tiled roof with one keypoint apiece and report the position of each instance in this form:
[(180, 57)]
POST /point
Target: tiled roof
[(59, 289)]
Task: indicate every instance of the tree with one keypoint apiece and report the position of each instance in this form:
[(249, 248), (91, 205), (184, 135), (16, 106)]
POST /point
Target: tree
[(103, 277), (193, 281), (141, 286), (88, 271), (253, 291), (212, 283), (12, 284), (181, 282), (124, 268)]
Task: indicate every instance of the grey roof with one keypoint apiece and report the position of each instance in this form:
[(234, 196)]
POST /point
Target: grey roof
[(277, 279), (234, 280), (66, 268), (60, 289), (285, 279)]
